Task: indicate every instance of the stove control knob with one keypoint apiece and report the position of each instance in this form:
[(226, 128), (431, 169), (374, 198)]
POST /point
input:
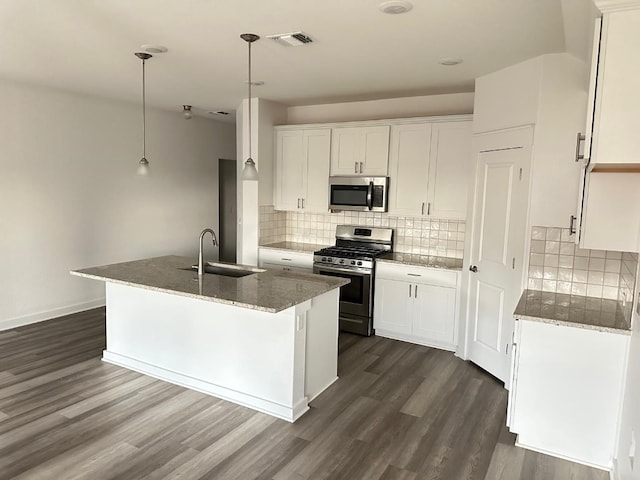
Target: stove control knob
[(324, 259), (342, 261), (359, 263), (353, 262)]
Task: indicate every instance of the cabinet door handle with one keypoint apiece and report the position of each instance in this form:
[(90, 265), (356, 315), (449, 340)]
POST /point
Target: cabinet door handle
[(572, 225), (473, 268), (429, 208), (409, 290), (286, 259), (356, 167), (302, 202), (360, 167), (415, 292), (422, 208), (298, 203), (579, 138), (414, 274)]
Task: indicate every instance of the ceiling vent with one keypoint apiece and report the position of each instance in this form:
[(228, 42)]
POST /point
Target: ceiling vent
[(294, 39)]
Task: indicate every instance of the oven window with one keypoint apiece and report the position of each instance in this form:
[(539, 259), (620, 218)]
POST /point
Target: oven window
[(352, 292), (349, 195)]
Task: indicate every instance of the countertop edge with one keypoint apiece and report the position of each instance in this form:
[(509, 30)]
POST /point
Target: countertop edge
[(418, 264), (207, 298), (583, 326)]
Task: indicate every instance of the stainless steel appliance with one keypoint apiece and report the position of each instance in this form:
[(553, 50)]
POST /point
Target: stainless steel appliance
[(363, 194), (353, 257)]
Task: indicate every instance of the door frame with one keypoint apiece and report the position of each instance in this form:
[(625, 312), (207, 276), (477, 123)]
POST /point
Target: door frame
[(509, 138)]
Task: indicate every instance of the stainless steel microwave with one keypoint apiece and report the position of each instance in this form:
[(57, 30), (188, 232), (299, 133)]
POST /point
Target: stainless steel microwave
[(362, 194)]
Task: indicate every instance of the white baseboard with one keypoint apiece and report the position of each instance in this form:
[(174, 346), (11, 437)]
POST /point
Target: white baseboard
[(49, 314), (417, 341), (606, 468), (315, 395), (288, 413)]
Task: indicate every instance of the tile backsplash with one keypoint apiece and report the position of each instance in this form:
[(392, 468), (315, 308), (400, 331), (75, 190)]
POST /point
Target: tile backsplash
[(418, 235), (556, 264)]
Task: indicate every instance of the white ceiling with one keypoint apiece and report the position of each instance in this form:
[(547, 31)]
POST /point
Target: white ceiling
[(358, 52)]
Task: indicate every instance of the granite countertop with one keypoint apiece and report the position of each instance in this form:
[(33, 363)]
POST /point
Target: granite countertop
[(573, 311), (422, 260), (295, 246), (269, 290)]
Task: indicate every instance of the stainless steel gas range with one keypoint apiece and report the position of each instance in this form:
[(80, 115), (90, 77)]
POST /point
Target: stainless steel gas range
[(353, 257)]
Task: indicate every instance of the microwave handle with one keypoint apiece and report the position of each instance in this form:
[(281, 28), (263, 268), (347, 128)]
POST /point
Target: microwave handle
[(370, 196)]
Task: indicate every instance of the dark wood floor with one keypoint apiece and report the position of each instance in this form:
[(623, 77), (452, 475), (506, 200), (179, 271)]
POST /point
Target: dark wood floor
[(398, 412)]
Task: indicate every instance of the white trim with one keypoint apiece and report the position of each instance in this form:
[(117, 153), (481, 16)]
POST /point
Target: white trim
[(322, 389), (606, 468), (610, 6), (291, 414), (411, 339), (49, 314), (369, 123)]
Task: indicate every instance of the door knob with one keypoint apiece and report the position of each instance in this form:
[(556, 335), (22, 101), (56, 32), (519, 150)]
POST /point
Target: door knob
[(473, 268)]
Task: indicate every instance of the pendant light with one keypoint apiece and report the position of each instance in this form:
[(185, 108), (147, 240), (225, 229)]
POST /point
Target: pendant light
[(249, 172), (143, 164), (186, 112)]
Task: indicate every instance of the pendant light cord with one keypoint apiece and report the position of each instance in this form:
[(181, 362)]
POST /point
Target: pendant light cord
[(144, 116), (250, 100)]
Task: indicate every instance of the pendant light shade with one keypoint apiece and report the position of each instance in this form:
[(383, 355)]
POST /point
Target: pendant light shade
[(143, 164), (249, 172), (186, 112)]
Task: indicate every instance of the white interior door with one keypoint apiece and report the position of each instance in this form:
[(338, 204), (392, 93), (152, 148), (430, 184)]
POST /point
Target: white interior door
[(497, 251)]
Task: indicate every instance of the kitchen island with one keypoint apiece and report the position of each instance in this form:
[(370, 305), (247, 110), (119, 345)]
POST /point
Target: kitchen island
[(267, 340)]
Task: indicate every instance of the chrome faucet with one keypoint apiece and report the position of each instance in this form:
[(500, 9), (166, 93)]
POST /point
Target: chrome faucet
[(215, 244)]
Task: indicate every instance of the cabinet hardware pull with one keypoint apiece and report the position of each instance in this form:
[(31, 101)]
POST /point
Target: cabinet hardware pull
[(298, 203), (513, 263), (579, 138), (415, 292), (360, 167), (303, 203), (409, 290), (572, 225), (356, 167), (422, 208), (429, 208), (286, 259), (414, 274), (473, 268)]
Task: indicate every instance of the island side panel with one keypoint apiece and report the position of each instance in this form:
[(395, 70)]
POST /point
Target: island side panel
[(568, 390), (322, 343), (246, 356)]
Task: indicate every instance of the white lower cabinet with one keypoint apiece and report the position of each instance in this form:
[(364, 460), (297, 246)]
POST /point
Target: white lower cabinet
[(416, 304), (283, 259), (566, 390)]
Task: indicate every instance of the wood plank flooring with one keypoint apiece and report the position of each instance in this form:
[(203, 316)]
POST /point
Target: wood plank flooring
[(398, 412)]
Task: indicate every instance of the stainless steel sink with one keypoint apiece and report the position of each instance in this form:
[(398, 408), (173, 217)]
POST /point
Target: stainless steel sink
[(227, 269)]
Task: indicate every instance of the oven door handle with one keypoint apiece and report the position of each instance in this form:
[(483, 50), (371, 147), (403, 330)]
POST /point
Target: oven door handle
[(370, 196), (352, 271)]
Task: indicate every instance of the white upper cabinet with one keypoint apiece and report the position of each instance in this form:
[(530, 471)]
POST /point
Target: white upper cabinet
[(360, 150), (429, 165), (609, 214), (409, 168), (449, 169), (617, 96), (302, 169)]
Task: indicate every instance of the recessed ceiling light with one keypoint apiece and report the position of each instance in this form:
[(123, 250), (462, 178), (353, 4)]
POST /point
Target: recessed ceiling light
[(450, 62), (154, 48), (395, 7)]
